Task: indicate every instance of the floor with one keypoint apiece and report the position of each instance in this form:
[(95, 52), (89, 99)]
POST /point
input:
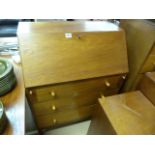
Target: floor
[(75, 129)]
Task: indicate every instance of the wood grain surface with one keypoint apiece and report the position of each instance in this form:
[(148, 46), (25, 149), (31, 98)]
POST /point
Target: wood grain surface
[(76, 89), (140, 37), (149, 64), (147, 86), (129, 114), (50, 58)]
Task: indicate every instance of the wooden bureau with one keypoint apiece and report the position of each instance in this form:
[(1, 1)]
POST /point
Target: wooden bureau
[(68, 65)]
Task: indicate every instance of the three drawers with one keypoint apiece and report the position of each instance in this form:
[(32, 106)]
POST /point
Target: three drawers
[(60, 104)]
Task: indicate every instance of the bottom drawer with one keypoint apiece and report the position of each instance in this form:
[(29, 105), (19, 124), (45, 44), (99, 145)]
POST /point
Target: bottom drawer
[(64, 117)]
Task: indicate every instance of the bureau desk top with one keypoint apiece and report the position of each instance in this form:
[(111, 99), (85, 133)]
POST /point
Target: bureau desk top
[(56, 52), (63, 27)]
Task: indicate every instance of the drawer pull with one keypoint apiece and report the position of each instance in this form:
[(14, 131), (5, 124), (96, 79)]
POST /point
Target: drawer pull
[(123, 77), (107, 83), (53, 107), (30, 92), (53, 94), (54, 121)]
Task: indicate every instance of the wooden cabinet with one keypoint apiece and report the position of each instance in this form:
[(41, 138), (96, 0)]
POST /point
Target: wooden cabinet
[(125, 114), (140, 36), (68, 65)]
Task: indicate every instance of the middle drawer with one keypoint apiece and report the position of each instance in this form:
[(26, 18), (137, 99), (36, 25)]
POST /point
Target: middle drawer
[(54, 106)]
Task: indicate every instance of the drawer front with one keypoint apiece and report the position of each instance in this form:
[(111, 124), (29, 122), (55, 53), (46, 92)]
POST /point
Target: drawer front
[(64, 117), (149, 64), (105, 85), (49, 107)]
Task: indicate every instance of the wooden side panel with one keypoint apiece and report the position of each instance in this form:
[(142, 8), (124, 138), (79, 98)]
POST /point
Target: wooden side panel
[(140, 36), (100, 124), (129, 114), (147, 86)]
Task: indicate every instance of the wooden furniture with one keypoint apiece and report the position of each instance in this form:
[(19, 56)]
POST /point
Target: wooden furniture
[(14, 100), (125, 114), (140, 36), (67, 65), (147, 86)]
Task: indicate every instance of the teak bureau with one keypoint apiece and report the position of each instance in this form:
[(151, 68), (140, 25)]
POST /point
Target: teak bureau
[(68, 65)]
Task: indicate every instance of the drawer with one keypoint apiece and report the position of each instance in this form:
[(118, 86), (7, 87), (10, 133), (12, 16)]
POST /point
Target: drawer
[(149, 64), (53, 106), (64, 117), (105, 85)]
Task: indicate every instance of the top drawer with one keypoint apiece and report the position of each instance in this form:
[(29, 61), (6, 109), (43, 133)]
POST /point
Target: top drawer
[(75, 89)]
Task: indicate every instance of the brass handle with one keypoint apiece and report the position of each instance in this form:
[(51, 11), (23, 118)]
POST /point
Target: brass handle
[(53, 107), (107, 84), (53, 94), (30, 92), (123, 77), (54, 121)]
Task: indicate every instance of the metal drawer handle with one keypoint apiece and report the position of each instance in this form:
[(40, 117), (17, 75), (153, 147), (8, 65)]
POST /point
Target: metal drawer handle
[(54, 121), (53, 94), (30, 92), (123, 77), (107, 84), (54, 108)]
